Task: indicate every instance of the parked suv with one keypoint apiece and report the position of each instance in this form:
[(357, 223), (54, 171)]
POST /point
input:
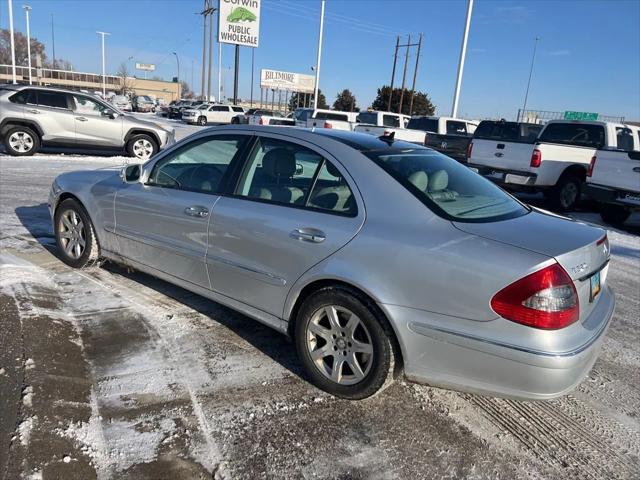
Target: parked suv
[(31, 117)]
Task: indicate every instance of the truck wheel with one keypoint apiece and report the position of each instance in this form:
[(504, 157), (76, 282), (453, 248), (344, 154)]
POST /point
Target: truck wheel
[(566, 193), (202, 121), (614, 214), (21, 141)]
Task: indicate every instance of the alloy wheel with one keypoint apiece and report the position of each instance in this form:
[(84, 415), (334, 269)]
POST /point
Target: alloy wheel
[(142, 148), (21, 142), (339, 344), (72, 233)]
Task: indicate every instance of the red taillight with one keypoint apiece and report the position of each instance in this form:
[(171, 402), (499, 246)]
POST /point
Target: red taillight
[(536, 158), (327, 125), (260, 122), (592, 164), (469, 150), (545, 299)]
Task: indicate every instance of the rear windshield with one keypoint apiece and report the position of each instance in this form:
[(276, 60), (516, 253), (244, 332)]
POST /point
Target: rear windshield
[(578, 134), (448, 188), (425, 124), (370, 118), (508, 131), (331, 116), (302, 115)]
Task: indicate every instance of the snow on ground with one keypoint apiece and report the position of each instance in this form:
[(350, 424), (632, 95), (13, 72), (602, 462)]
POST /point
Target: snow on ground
[(126, 376)]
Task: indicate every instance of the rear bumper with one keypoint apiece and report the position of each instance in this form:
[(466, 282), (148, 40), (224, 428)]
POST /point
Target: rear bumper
[(513, 179), (603, 194), (436, 354)]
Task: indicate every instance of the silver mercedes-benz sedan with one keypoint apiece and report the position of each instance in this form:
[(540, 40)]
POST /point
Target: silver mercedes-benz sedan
[(376, 256)]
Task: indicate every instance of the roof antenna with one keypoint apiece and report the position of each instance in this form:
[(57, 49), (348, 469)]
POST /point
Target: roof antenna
[(388, 136)]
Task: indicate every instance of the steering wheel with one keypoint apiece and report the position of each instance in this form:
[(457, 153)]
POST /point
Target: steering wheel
[(204, 173)]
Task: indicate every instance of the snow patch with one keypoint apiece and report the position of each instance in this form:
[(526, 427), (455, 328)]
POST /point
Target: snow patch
[(25, 428)]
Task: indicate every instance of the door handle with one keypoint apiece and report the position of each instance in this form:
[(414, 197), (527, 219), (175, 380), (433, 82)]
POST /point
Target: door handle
[(81, 119), (636, 169), (500, 146), (196, 211), (312, 235), (33, 110)]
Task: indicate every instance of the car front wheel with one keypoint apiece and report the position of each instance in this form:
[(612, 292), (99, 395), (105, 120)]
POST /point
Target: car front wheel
[(141, 146), (21, 141), (346, 347), (75, 235), (202, 121)]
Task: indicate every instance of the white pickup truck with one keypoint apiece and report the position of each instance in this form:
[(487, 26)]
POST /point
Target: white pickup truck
[(613, 179), (555, 162), (336, 119), (384, 123)]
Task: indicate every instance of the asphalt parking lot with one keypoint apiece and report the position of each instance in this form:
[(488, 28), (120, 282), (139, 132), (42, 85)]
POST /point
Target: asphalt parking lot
[(108, 373)]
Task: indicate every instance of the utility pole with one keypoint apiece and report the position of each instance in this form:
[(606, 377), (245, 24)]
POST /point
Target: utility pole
[(315, 90), (27, 8), (53, 43), (210, 67), (13, 46), (463, 53), (192, 85), (253, 51), (204, 14), (404, 74), (393, 72), (178, 77), (415, 74), (104, 74), (533, 59)]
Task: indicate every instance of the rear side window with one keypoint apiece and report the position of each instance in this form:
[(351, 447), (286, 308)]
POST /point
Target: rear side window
[(237, 109), (578, 134), (425, 124), (456, 128), (446, 187), (624, 139), (52, 99), (390, 121)]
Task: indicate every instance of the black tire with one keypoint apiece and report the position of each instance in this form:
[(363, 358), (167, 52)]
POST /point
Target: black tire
[(565, 195), (614, 214), (202, 121), (29, 141), (235, 121), (142, 143), (90, 253), (380, 367)]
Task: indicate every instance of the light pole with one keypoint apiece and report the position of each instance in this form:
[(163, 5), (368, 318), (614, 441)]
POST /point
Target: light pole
[(104, 74), (178, 77), (27, 8), (13, 46), (526, 94), (315, 90), (463, 53)]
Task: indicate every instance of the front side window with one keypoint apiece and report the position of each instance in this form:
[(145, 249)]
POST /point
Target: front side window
[(219, 108), (199, 166), (390, 121), (237, 109), (289, 174), (332, 116), (456, 128), (448, 188), (52, 99), (424, 124), (87, 106), (581, 135)]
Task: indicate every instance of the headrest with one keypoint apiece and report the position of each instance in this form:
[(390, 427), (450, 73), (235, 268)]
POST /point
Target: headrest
[(420, 180), (438, 180), (333, 171), (279, 162)]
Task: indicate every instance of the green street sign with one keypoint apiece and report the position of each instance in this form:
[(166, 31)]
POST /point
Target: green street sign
[(580, 116)]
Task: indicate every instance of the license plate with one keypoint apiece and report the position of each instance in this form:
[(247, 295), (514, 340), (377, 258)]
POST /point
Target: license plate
[(595, 286)]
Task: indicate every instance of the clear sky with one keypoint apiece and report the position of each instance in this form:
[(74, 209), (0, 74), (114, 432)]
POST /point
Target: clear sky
[(588, 55)]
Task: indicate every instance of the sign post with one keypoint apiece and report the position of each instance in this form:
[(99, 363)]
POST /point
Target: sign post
[(239, 24)]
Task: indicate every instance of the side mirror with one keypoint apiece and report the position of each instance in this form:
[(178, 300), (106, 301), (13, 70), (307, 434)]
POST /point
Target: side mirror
[(130, 173), (110, 113), (299, 169)]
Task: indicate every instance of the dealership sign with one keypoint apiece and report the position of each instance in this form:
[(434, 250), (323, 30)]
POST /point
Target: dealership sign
[(239, 22), (294, 82), (148, 67)]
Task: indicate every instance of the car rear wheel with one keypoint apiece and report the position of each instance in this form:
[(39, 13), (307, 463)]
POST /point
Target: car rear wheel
[(566, 193), (346, 347), (75, 235), (21, 141), (614, 214), (141, 146), (202, 121)]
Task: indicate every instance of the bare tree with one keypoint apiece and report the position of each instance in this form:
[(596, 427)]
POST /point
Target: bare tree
[(126, 82)]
